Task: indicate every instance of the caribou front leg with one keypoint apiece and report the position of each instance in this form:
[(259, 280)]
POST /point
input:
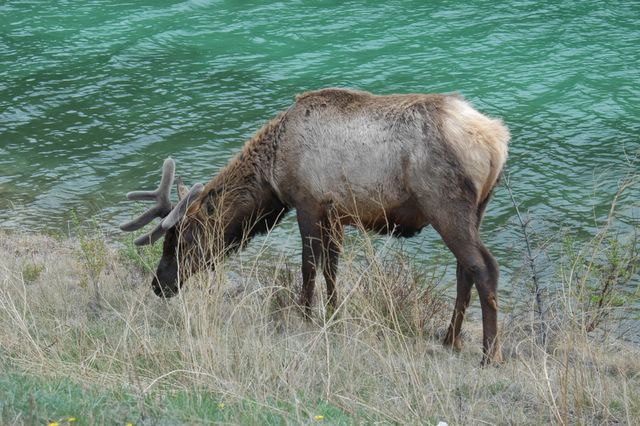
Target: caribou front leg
[(309, 222)]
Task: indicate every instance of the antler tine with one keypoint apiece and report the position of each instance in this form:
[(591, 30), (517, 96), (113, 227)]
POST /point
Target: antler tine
[(164, 189), (163, 203), (172, 218), (150, 237)]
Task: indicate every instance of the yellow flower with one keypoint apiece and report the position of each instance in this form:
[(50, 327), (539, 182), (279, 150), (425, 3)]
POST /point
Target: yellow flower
[(318, 418), (129, 424), (221, 405), (53, 424)]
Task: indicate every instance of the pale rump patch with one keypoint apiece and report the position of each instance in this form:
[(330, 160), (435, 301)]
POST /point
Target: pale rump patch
[(480, 143)]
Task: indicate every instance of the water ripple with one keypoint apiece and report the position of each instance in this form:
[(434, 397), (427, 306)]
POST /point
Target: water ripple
[(94, 97)]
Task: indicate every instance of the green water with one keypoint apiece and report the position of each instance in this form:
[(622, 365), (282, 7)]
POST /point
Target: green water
[(95, 94)]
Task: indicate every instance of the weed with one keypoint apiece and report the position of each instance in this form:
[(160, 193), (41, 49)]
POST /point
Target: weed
[(93, 250), (145, 258), (31, 272)]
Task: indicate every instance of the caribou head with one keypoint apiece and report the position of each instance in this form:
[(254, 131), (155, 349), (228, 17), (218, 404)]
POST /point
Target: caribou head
[(177, 225)]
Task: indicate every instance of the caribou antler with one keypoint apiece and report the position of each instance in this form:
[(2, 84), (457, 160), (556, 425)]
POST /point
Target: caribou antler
[(181, 208), (163, 208)]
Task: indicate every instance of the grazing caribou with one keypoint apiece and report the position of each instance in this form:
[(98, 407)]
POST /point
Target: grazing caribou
[(391, 164)]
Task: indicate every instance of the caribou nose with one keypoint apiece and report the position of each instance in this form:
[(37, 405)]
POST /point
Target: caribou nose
[(163, 290)]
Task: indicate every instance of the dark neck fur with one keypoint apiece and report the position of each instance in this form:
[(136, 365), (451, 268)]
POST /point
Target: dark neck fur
[(241, 195)]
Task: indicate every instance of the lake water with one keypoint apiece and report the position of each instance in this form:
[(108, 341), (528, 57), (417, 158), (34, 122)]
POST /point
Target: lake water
[(95, 94)]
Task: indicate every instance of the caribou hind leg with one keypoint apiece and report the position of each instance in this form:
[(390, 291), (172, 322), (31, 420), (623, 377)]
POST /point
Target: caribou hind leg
[(475, 265), (488, 292), (464, 283)]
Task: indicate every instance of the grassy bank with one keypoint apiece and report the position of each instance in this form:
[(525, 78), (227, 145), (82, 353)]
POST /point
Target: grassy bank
[(84, 341)]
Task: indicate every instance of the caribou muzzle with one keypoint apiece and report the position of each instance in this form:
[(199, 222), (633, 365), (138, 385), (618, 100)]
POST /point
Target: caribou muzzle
[(164, 284)]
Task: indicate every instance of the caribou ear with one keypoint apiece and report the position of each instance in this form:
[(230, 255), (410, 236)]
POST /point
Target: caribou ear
[(194, 207), (183, 190)]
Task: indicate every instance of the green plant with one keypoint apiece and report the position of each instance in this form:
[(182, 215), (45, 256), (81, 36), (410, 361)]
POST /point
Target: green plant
[(93, 250), (31, 271), (612, 273), (145, 258)]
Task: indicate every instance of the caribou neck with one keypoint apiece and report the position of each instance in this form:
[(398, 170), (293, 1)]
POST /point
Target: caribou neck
[(241, 197)]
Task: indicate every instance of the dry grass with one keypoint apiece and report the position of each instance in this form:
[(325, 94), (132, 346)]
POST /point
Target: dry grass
[(238, 335)]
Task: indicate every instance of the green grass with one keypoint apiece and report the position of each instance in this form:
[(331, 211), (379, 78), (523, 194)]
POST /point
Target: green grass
[(31, 399)]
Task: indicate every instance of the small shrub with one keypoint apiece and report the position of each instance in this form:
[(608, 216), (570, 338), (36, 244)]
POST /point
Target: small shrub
[(31, 272), (604, 270), (145, 258), (406, 299), (93, 250)]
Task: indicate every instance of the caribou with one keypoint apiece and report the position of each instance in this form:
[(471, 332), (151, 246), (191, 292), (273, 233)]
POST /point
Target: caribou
[(387, 163)]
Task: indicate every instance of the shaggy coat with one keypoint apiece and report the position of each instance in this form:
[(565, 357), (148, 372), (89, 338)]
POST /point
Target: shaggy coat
[(392, 164)]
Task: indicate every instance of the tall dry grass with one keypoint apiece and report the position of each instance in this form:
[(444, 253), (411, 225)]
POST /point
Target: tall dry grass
[(238, 333)]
